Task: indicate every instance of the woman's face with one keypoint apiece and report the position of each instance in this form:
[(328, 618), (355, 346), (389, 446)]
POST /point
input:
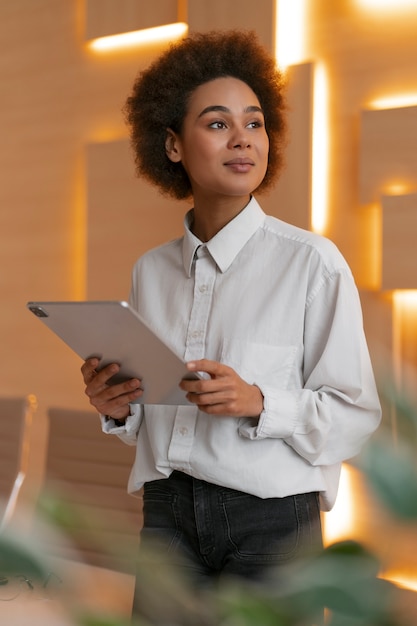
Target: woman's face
[(223, 144)]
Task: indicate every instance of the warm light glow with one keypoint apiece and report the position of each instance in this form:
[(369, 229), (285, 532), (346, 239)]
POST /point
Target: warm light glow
[(396, 189), (107, 134), (290, 32), (338, 523), (404, 307), (396, 101), (377, 5), (137, 37), (79, 233), (406, 582), (290, 50), (320, 165), (406, 299), (369, 272)]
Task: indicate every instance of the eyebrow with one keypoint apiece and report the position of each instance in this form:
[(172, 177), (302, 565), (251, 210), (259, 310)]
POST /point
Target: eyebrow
[(223, 109)]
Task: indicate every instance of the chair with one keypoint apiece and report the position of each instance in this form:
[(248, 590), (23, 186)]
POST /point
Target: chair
[(16, 414), (85, 487)]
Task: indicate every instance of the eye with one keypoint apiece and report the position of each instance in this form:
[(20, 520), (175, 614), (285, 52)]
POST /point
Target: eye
[(256, 124), (217, 124)]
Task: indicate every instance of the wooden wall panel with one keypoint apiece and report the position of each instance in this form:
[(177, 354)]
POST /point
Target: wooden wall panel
[(204, 15), (290, 200), (111, 17), (399, 242), (57, 97), (388, 155), (378, 324), (126, 217)]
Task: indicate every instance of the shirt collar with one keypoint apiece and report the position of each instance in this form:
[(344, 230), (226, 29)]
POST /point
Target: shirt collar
[(228, 242)]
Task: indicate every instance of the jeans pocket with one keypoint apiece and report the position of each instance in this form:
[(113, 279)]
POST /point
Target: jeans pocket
[(161, 517), (266, 530)]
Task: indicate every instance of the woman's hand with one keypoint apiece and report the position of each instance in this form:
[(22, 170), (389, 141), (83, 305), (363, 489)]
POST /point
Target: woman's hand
[(111, 400), (224, 393)]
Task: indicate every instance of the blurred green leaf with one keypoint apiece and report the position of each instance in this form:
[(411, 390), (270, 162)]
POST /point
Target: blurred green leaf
[(392, 475), (102, 620), (405, 413), (17, 558), (344, 579)]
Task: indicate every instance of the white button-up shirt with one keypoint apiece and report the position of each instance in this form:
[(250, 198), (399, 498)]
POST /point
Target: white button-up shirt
[(279, 305)]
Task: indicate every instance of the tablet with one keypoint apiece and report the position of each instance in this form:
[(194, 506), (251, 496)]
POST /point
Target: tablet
[(115, 333)]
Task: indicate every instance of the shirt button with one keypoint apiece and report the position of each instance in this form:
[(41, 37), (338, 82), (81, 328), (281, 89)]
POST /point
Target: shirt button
[(203, 288), (183, 431)]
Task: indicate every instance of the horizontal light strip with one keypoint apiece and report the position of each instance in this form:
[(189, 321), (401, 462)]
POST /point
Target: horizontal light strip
[(387, 5), (395, 102), (405, 582), (137, 37), (377, 5)]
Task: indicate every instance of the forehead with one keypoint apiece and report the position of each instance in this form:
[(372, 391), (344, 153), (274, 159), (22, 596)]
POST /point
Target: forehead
[(226, 91)]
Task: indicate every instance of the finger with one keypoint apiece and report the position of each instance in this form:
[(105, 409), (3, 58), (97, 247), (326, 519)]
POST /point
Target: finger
[(88, 369), (114, 400), (117, 405), (222, 397), (210, 385), (213, 368), (99, 385), (99, 380)]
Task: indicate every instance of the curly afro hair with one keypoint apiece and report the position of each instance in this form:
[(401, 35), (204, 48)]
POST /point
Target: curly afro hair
[(160, 95)]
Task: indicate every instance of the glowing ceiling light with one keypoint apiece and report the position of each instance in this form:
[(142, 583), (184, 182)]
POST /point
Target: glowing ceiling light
[(290, 32), (137, 37), (320, 164)]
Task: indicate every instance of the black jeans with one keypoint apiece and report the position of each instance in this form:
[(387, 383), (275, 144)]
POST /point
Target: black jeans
[(208, 531)]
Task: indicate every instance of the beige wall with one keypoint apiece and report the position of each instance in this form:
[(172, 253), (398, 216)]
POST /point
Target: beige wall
[(73, 218)]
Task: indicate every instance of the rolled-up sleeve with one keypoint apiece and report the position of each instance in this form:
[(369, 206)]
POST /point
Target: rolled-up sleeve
[(127, 432), (337, 409)]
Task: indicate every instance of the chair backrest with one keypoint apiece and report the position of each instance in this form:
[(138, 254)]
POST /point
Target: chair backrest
[(86, 477), (16, 414)]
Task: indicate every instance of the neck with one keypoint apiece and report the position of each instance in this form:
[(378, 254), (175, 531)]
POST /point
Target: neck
[(211, 217)]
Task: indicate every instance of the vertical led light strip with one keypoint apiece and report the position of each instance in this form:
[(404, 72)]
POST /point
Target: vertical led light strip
[(320, 156), (290, 32), (290, 49), (404, 310)]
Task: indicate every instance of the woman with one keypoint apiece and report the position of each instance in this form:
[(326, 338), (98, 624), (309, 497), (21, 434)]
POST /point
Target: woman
[(234, 481)]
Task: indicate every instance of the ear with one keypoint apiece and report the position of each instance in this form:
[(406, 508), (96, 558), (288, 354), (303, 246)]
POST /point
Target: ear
[(172, 146)]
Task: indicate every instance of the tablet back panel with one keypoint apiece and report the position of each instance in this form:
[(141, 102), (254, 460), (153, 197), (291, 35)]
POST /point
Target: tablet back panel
[(115, 333)]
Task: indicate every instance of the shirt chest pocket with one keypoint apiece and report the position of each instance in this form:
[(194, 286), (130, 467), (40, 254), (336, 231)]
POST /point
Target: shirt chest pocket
[(260, 363)]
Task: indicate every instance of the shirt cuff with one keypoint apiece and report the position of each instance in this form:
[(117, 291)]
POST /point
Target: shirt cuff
[(278, 419), (131, 425)]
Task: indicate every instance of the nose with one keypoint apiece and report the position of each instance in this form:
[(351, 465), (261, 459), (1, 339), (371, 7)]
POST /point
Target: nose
[(239, 139)]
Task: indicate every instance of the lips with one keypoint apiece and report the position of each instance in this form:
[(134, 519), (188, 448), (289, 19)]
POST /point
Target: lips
[(240, 161), (240, 165)]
